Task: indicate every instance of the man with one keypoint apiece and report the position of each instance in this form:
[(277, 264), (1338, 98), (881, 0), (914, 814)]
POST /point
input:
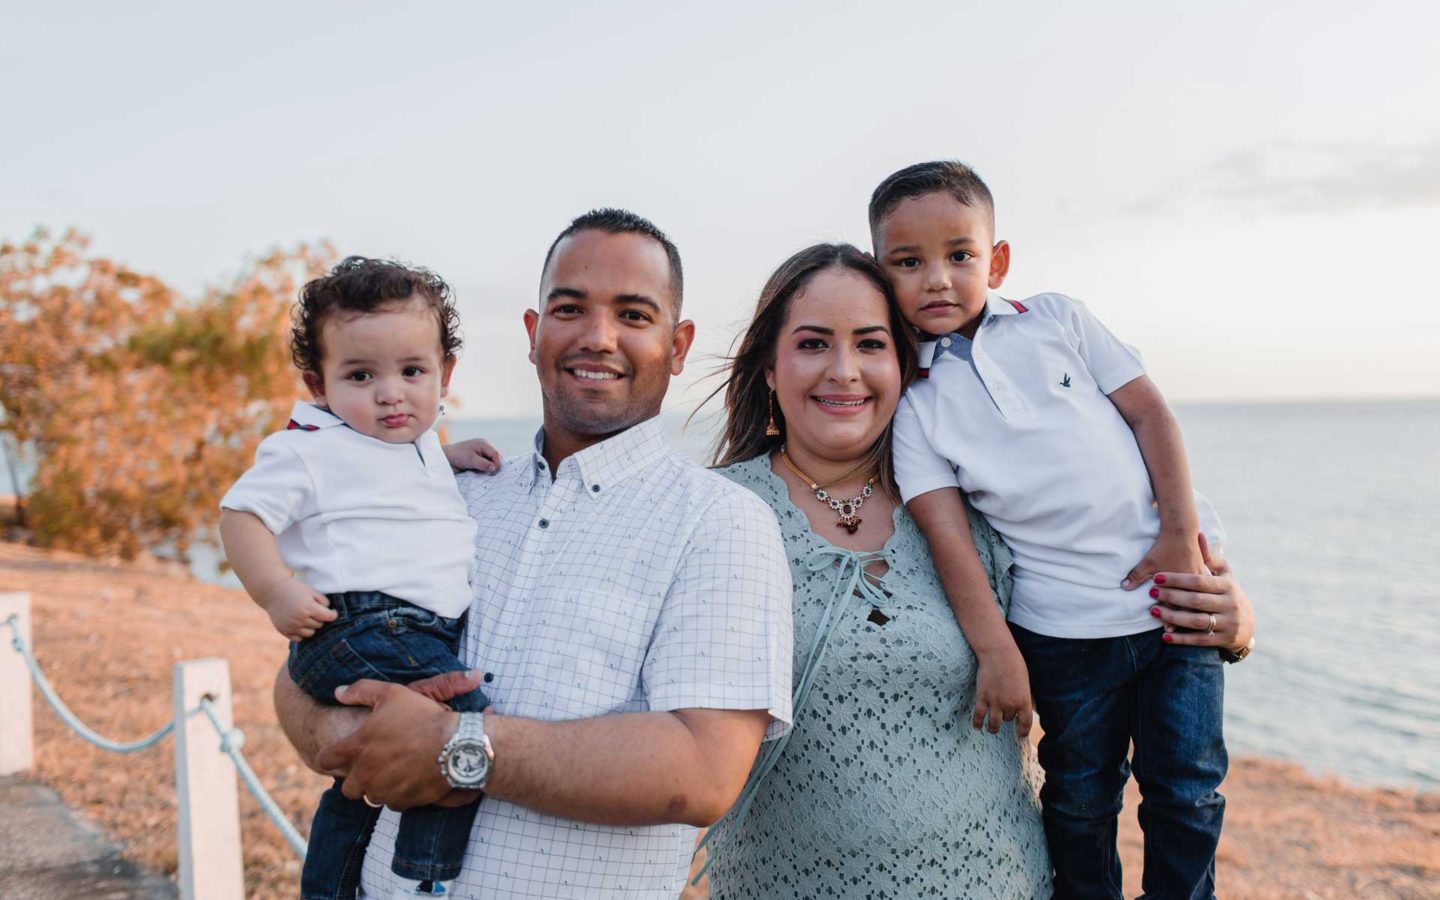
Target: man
[(631, 617)]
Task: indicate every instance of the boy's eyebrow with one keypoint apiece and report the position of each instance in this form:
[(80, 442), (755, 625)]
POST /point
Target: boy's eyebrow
[(911, 248)]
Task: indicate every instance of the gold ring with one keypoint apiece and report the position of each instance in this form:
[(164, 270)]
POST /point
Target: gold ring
[(1211, 629), (373, 805)]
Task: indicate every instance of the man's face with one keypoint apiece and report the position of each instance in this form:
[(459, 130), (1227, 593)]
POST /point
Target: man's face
[(605, 340)]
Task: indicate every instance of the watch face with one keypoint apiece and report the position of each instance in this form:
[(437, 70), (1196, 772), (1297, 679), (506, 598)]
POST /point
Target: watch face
[(468, 763)]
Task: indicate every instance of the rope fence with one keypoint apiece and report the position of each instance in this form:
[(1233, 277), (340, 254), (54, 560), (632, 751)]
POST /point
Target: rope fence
[(208, 818)]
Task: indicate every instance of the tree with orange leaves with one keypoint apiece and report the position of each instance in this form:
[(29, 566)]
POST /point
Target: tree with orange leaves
[(139, 407)]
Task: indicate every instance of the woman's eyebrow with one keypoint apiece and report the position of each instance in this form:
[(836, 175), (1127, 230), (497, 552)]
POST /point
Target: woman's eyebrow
[(871, 329), (820, 329)]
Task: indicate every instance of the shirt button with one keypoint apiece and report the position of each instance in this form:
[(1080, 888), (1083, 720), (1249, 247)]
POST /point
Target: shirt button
[(489, 677), (595, 488), (544, 523), (945, 342)]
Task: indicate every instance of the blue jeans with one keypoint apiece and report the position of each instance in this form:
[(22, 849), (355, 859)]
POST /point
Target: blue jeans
[(377, 636), (1096, 696)]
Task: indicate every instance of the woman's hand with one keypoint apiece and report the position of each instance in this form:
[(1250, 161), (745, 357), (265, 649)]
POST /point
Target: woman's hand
[(477, 454), (1188, 601)]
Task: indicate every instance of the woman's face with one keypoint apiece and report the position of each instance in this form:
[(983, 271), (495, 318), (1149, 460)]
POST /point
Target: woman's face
[(836, 375)]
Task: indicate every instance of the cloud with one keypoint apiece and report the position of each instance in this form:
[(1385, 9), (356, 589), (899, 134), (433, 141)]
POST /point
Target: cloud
[(1293, 177)]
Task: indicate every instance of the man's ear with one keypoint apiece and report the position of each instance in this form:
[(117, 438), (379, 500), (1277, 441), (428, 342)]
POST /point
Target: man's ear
[(316, 384), (445, 372), (532, 323), (680, 343), (999, 264)]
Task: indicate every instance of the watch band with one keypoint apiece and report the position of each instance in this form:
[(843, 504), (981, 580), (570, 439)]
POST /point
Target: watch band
[(1234, 656)]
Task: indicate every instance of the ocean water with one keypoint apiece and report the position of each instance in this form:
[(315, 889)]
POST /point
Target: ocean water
[(1333, 519)]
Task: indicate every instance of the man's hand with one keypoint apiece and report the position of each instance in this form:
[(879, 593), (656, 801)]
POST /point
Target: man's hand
[(296, 609), (393, 757), (1002, 692), (475, 454), (1169, 553)]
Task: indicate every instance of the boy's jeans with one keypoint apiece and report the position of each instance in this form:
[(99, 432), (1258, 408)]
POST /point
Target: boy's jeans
[(1094, 697), (378, 636)]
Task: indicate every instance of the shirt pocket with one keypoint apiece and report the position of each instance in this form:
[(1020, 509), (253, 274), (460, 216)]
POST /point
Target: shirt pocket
[(593, 645)]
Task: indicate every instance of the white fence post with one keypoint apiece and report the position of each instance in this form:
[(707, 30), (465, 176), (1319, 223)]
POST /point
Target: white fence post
[(17, 714), (208, 826)]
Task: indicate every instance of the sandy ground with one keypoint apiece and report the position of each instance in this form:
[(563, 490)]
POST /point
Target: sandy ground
[(107, 635)]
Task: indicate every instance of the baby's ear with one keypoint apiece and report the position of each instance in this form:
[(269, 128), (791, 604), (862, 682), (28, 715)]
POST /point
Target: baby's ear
[(316, 384)]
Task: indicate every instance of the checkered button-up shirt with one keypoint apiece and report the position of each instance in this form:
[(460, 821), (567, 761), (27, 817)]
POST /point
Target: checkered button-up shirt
[(633, 581)]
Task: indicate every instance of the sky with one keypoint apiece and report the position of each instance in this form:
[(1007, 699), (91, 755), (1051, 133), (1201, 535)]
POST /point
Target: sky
[(1248, 192)]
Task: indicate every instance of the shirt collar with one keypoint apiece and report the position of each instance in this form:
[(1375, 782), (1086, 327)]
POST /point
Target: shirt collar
[(603, 465), (308, 414), (995, 305)]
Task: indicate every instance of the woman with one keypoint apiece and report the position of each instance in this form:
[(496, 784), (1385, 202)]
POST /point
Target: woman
[(881, 789)]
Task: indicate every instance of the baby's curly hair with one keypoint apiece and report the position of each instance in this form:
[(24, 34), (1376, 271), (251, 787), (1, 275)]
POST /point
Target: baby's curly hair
[(359, 285)]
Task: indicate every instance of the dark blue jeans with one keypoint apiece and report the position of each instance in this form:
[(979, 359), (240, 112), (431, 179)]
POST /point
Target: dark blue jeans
[(1097, 696), (377, 636)]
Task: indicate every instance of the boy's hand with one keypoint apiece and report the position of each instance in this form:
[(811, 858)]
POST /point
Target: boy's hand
[(296, 609), (1169, 553), (1002, 692), (475, 454)]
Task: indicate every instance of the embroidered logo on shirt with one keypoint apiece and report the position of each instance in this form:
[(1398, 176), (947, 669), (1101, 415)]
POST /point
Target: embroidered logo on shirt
[(1066, 381)]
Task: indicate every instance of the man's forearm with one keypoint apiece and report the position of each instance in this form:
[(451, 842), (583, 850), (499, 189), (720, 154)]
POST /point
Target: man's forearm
[(626, 769), (309, 724)]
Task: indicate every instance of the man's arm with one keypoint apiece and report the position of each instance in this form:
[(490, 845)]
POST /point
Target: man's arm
[(310, 725), (643, 768), (1158, 434)]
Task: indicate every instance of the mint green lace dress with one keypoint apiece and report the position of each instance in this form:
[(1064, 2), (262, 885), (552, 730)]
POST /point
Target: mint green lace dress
[(883, 789)]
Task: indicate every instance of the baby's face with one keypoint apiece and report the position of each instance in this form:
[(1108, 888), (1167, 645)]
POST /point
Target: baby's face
[(938, 254), (383, 372)]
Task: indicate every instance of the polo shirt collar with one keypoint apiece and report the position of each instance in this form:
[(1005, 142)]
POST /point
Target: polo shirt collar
[(603, 465), (309, 416), (995, 305)]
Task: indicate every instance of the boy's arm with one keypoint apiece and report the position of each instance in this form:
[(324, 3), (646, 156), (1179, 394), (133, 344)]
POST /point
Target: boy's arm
[(1158, 434), (296, 610), (1002, 688)]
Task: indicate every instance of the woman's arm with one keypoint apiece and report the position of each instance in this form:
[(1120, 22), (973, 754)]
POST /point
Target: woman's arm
[(1187, 601)]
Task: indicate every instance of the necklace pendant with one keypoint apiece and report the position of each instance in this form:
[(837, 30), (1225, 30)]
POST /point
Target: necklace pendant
[(850, 523)]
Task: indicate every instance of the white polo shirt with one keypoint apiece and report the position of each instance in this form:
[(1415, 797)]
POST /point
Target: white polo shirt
[(355, 513), (1026, 429), (634, 581)]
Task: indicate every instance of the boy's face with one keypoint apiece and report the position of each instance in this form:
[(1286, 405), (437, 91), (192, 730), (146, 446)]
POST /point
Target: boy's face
[(939, 255), (382, 372)]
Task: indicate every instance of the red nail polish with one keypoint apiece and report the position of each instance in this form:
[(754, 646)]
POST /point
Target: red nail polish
[(1155, 593), (1159, 579), (1155, 611), (1167, 638)]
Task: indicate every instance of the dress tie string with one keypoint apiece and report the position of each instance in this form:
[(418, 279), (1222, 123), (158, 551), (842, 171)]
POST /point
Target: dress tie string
[(851, 581)]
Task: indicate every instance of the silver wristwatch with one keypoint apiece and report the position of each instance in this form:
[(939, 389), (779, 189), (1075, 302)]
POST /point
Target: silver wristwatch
[(466, 758)]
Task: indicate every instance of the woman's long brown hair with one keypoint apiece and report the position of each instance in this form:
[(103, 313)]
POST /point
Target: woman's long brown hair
[(747, 397)]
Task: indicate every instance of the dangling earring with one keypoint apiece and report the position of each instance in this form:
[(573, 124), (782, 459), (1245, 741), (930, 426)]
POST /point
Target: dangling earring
[(771, 429)]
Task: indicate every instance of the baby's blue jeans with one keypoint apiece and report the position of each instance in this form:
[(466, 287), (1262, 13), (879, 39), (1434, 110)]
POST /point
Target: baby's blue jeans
[(377, 636)]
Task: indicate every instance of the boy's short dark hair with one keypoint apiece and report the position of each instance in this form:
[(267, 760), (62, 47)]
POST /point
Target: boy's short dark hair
[(358, 285), (946, 175), (622, 221)]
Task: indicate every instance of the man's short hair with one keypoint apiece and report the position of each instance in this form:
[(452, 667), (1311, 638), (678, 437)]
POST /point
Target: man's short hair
[(622, 221), (942, 176)]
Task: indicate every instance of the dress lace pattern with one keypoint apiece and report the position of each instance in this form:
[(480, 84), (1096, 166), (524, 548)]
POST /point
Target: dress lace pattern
[(882, 790)]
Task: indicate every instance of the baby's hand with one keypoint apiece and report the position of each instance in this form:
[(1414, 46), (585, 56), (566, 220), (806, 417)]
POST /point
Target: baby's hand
[(1169, 553), (477, 454), (1002, 692), (296, 609)]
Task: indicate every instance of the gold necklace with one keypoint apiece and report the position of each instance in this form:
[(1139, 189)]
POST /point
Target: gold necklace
[(847, 510)]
